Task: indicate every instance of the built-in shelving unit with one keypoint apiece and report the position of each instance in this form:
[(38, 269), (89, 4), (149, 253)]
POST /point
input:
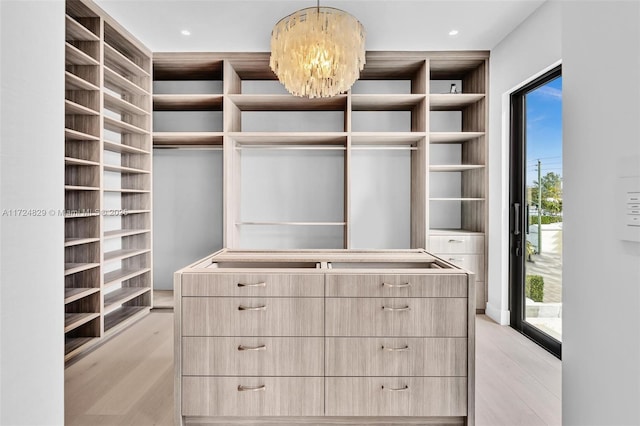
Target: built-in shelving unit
[(457, 171), (107, 176), (405, 159)]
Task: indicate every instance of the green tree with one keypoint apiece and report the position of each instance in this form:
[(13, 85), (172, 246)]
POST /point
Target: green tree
[(551, 193)]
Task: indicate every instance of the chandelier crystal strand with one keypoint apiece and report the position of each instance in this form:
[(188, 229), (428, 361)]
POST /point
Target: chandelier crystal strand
[(317, 52)]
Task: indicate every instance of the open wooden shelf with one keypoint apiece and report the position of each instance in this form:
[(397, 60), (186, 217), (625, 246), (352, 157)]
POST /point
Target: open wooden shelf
[(73, 82), (118, 62), (74, 135), (122, 148), (119, 275), (81, 215), (121, 106), (387, 138), (127, 191), (118, 233), (454, 167), (287, 103), (72, 268), (70, 161), (77, 31), (453, 101), (75, 320), (73, 108), (119, 126), (186, 102), (80, 188), (453, 137), (115, 298), (75, 56), (73, 294), (386, 102), (137, 212), (69, 242), (187, 138), (123, 314), (73, 345), (123, 254), (289, 138), (117, 83), (123, 169)]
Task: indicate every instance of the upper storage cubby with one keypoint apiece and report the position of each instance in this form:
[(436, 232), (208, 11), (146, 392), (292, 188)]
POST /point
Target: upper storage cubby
[(187, 100), (255, 102), (390, 95)]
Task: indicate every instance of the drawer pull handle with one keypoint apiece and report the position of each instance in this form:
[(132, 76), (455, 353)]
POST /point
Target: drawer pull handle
[(396, 285), (252, 308), (252, 348), (388, 308), (456, 241), (251, 388), (454, 259), (404, 388), (262, 284), (401, 349)]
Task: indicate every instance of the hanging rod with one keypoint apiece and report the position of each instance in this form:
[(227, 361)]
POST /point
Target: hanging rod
[(294, 147)]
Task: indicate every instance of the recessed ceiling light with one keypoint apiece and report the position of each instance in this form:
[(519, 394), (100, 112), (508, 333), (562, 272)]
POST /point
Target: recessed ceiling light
[(453, 32), (185, 32)]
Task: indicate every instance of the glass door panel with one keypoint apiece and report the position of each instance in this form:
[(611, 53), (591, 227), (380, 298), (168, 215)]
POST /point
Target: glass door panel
[(536, 199)]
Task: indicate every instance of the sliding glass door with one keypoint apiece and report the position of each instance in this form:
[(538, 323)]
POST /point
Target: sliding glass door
[(536, 210)]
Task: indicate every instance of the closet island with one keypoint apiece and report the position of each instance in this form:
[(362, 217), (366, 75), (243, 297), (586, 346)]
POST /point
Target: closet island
[(324, 337)]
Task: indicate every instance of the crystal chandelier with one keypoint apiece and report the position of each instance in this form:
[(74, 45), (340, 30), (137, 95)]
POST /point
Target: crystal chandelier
[(317, 52)]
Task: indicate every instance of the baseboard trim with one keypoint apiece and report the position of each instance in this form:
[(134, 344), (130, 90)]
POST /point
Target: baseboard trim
[(502, 317)]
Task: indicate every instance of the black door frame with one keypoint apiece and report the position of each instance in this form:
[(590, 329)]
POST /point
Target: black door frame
[(518, 214)]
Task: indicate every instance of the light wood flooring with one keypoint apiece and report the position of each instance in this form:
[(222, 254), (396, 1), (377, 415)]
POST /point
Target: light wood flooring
[(129, 379), (163, 299)]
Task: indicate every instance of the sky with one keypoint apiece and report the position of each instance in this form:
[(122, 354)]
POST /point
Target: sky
[(544, 129)]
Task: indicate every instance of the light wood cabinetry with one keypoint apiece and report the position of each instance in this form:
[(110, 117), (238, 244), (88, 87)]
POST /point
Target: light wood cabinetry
[(107, 177), (253, 396), (458, 164), (252, 356), (321, 337), (407, 396), (397, 162), (391, 356)]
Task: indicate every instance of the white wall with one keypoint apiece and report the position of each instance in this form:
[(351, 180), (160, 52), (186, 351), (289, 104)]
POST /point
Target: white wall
[(530, 49), (31, 248), (601, 119), (187, 209)]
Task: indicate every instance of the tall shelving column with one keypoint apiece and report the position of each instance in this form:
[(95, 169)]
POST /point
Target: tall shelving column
[(108, 278), (83, 124), (458, 164), (127, 223)]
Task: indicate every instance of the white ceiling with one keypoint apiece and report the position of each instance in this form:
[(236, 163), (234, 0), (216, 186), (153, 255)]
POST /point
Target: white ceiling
[(245, 25)]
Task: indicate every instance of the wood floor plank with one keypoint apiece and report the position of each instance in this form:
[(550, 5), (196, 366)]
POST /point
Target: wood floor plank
[(129, 389), (91, 377), (517, 383), (540, 364), (155, 408), (524, 388)]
